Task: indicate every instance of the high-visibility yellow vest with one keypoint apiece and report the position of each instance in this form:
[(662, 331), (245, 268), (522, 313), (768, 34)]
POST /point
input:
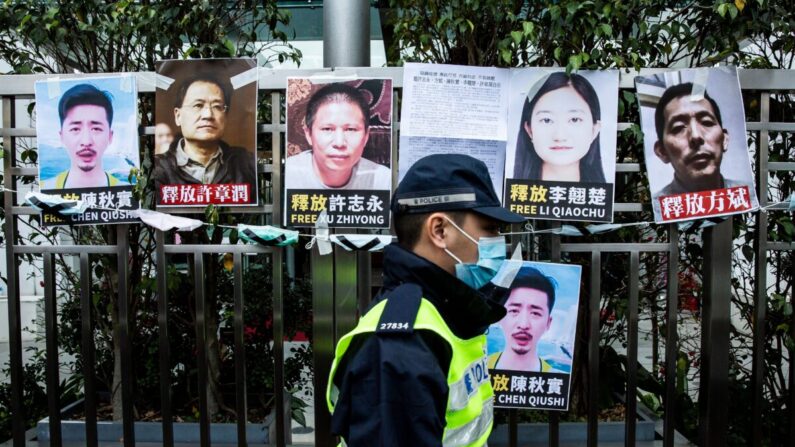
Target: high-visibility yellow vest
[(470, 402)]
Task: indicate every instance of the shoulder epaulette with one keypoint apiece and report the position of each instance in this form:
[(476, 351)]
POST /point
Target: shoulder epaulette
[(400, 311)]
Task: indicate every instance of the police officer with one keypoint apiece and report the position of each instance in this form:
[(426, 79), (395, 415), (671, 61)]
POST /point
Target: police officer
[(414, 370)]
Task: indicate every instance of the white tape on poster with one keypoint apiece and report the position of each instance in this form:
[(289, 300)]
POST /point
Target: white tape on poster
[(163, 82), (336, 75), (244, 78), (126, 83), (146, 80), (699, 84), (53, 87)]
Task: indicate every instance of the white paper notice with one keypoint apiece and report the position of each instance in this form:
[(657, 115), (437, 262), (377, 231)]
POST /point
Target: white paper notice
[(454, 109)]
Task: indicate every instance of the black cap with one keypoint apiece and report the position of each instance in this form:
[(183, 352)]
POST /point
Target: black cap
[(450, 182)]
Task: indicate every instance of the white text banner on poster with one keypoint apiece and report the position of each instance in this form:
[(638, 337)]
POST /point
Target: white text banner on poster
[(454, 109)]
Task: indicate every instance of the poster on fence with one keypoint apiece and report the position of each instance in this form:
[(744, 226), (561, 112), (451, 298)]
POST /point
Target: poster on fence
[(339, 152), (454, 109), (531, 350), (694, 140), (561, 156), (87, 136), (206, 132)]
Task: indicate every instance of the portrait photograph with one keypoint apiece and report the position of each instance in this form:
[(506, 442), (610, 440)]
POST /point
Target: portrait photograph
[(206, 132), (562, 127), (87, 132), (537, 333), (339, 134), (695, 147)]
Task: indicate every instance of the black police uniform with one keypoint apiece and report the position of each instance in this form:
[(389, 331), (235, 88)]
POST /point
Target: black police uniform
[(393, 390), (408, 371)]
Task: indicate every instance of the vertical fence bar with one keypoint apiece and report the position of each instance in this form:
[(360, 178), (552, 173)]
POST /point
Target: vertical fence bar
[(791, 400), (593, 349), (163, 341), (718, 256), (201, 348), (345, 293), (283, 426), (51, 334), (128, 418), (276, 262), (760, 290), (395, 137), (554, 416), (240, 353), (87, 342), (672, 297), (323, 337), (364, 282), (14, 315), (632, 350)]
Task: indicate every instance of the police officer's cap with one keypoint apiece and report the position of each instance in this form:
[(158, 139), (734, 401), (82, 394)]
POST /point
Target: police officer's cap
[(450, 182)]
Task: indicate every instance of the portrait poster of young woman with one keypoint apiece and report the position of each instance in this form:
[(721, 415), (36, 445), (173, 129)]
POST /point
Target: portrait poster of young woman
[(561, 152)]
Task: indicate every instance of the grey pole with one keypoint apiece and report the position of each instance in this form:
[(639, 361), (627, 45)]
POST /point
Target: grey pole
[(346, 43), (346, 33)]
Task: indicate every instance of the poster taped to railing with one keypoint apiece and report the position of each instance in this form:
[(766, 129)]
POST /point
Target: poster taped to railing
[(87, 136), (454, 109), (339, 152), (695, 144), (561, 155), (531, 350), (206, 132)]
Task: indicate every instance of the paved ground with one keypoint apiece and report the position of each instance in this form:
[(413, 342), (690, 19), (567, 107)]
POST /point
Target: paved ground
[(147, 444)]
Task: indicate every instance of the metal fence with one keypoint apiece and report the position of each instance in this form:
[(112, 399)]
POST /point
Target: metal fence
[(342, 286)]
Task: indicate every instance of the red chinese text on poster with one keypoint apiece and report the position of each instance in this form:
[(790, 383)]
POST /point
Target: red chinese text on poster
[(216, 194), (714, 202)]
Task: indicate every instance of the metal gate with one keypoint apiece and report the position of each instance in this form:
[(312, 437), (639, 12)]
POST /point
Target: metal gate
[(342, 284)]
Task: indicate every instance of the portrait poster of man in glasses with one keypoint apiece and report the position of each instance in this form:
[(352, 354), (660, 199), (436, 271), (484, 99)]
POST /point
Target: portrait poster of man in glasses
[(210, 106)]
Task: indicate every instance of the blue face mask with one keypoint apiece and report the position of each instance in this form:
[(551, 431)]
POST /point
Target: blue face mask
[(491, 255)]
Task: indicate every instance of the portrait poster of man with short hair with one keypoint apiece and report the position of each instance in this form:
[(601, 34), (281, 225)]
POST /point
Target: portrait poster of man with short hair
[(695, 144), (87, 137), (339, 146), (206, 132), (531, 350)]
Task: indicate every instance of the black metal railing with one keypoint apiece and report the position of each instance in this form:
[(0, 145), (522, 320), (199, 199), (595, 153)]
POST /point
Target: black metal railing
[(342, 284)]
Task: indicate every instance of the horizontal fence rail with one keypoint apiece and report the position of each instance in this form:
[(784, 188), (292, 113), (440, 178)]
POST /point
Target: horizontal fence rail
[(342, 284)]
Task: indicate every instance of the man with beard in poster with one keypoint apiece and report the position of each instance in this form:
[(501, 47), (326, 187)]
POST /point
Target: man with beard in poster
[(86, 115), (529, 307), (199, 155)]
